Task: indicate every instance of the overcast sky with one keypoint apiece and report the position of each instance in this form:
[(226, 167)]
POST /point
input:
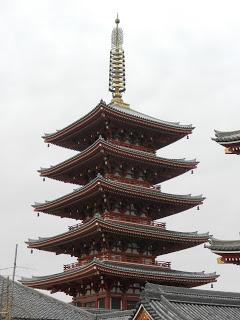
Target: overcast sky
[(182, 64)]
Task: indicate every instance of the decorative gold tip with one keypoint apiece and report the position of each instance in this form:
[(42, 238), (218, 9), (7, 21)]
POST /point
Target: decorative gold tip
[(119, 102), (220, 260), (227, 150), (117, 67)]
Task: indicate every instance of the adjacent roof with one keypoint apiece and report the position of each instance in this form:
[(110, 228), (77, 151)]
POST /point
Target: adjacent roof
[(174, 303), (161, 302), (96, 225), (100, 184), (227, 137), (111, 314), (117, 315), (31, 304), (63, 170), (119, 269), (103, 111), (231, 246)]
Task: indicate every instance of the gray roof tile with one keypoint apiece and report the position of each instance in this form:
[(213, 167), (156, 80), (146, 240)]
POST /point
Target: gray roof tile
[(127, 267), (31, 304), (223, 245), (125, 186), (225, 137), (173, 303), (130, 226), (166, 161)]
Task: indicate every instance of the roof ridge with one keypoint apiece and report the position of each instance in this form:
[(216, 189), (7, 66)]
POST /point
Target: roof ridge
[(100, 104), (186, 292)]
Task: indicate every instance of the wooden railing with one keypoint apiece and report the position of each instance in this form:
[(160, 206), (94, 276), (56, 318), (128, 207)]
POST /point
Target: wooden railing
[(126, 218), (163, 264), (159, 224), (133, 181), (71, 265), (121, 258), (134, 219), (131, 146), (75, 226), (123, 217)]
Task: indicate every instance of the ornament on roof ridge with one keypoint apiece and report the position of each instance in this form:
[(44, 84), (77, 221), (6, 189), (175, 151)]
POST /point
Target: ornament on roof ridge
[(117, 83)]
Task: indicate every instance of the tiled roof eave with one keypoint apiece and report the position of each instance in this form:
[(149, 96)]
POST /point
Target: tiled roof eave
[(132, 114), (120, 112), (70, 129), (227, 137), (101, 144), (223, 245), (139, 191), (117, 269), (145, 231)]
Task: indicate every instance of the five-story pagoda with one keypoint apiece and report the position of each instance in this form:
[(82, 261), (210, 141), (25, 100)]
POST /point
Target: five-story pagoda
[(117, 238)]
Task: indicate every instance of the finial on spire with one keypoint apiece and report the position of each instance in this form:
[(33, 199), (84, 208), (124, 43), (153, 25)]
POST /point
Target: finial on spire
[(117, 20), (117, 67)]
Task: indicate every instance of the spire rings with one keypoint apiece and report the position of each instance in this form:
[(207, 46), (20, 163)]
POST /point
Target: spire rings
[(117, 84)]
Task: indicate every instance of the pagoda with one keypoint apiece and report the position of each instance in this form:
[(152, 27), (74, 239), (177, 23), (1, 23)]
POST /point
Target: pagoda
[(229, 139), (118, 235)]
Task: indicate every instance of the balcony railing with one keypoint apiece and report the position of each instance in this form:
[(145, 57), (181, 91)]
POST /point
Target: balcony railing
[(132, 146), (124, 218), (133, 181), (121, 258), (134, 219), (159, 224), (75, 226)]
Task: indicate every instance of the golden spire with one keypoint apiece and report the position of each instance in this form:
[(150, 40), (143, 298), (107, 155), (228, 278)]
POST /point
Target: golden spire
[(117, 67)]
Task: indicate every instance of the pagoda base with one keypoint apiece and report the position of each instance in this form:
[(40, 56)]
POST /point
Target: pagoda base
[(107, 300), (114, 284)]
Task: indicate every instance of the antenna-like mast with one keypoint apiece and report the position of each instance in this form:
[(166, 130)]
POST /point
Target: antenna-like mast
[(7, 305)]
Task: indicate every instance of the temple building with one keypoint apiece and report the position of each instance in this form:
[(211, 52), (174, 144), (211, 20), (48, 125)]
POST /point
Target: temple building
[(228, 250), (228, 139), (171, 303), (118, 236)]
